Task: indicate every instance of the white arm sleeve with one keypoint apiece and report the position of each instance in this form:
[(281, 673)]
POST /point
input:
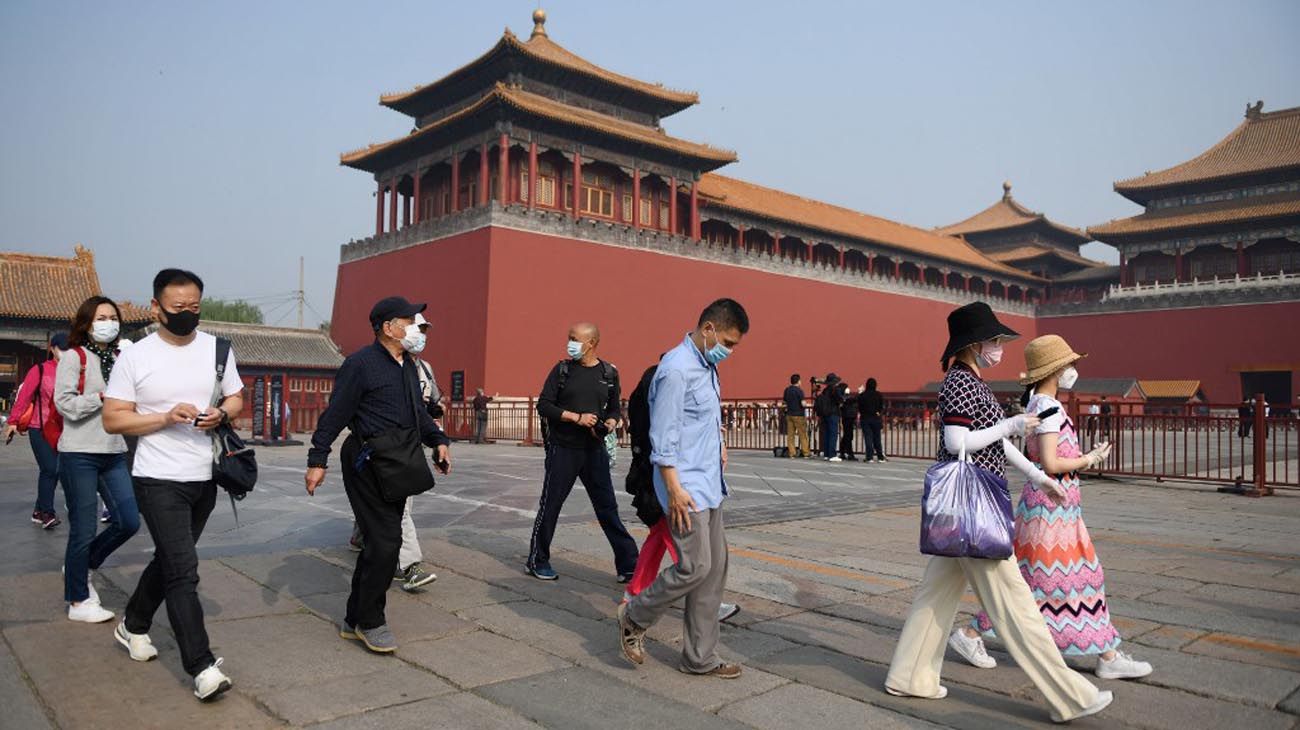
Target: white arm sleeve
[(1019, 461), (955, 436)]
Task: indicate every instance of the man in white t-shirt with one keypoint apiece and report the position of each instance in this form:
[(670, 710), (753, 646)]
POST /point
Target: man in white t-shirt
[(162, 391)]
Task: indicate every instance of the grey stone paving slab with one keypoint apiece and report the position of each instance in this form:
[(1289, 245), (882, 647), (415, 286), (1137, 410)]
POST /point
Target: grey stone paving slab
[(580, 698), (802, 591), (1166, 637), (660, 676), (453, 592), (462, 711), (478, 658), (353, 694), (153, 694), (1246, 650), (292, 574), (22, 709), (549, 629), (31, 598), (964, 707), (1216, 618), (1211, 677), (410, 619), (798, 705), (1148, 706), (275, 652), (1291, 704), (224, 593)]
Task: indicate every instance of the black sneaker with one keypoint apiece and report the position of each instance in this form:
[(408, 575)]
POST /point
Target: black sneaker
[(546, 573), (624, 578)]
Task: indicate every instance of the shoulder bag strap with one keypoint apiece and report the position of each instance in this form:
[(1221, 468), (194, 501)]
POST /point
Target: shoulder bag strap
[(81, 377), (223, 355)]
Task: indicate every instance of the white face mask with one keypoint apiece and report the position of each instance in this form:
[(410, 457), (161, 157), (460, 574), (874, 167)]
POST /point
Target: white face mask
[(1068, 378), (989, 354), (105, 331), (414, 340)]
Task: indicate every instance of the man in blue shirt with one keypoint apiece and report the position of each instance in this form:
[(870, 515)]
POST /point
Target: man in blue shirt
[(689, 455)]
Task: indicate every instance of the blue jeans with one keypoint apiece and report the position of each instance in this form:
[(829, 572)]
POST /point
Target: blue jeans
[(84, 476), (47, 460), (830, 435)]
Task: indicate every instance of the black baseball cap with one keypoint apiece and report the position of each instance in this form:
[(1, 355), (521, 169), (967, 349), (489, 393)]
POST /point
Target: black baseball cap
[(393, 308)]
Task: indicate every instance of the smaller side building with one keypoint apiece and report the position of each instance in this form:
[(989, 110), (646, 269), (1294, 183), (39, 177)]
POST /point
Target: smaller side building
[(38, 297)]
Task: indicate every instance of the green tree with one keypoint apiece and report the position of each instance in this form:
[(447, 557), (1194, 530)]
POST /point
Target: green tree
[(237, 310)]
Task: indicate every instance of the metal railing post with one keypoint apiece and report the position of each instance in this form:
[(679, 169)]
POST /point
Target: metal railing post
[(528, 434), (1261, 449)]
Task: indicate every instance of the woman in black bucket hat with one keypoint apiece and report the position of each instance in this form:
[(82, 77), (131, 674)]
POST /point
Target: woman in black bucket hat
[(974, 423)]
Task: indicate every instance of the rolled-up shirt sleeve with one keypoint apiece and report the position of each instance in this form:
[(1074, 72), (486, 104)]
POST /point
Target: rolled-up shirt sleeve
[(667, 411)]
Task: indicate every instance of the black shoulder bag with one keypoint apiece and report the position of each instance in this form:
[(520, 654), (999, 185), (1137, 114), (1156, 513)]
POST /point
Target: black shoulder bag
[(234, 466), (397, 459)]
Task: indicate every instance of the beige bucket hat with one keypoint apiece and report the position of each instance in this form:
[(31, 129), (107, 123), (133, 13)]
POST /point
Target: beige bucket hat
[(1045, 355)]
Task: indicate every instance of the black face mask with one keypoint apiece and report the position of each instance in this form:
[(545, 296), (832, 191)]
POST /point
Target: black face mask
[(180, 323)]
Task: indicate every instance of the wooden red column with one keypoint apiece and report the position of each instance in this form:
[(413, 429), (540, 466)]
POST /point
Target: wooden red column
[(636, 198), (532, 174), (695, 211), (1242, 271), (392, 206), (841, 258), (672, 205), (455, 183), (871, 263), (808, 249), (740, 236), (965, 283), (503, 170), (988, 288), (415, 214), (897, 268), (1123, 270), (1178, 266), (484, 176), (379, 209), (577, 184), (406, 211)]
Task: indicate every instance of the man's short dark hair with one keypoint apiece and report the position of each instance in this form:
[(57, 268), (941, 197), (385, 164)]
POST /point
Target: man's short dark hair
[(725, 314), (794, 379), (175, 277)]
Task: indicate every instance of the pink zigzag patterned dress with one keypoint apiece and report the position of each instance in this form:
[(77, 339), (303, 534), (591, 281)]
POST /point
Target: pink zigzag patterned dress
[(1057, 558)]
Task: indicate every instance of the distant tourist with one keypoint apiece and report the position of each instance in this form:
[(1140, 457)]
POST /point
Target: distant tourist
[(1052, 546), (871, 409), (1245, 418), (92, 462), (975, 424), (689, 455), (580, 404), (159, 390), (796, 422), (848, 422), (480, 404), (33, 407), (827, 406)]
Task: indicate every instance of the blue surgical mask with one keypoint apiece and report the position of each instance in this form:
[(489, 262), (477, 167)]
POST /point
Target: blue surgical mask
[(718, 352), (574, 349)]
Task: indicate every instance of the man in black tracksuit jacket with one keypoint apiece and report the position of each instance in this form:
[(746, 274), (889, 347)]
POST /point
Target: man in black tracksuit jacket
[(580, 404)]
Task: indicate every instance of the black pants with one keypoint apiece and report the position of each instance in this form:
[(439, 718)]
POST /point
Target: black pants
[(175, 513), (591, 465), (381, 522), (871, 439), (846, 437)]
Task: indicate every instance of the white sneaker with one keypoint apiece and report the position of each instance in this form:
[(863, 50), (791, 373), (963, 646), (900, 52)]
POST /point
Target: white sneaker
[(1122, 666), (835, 459), (972, 650), (727, 611), (1104, 698), (943, 692), (140, 646), (211, 682), (89, 612)]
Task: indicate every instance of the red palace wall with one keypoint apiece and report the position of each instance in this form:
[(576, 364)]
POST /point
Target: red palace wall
[(1210, 344), (502, 300)]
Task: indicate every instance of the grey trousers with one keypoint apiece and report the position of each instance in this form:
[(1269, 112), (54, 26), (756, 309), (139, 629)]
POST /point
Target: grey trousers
[(699, 575)]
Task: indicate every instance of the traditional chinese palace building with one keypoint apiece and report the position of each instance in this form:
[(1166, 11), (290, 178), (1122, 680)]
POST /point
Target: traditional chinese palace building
[(537, 189)]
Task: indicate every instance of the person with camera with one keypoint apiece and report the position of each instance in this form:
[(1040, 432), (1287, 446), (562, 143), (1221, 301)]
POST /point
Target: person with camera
[(376, 397), (159, 390), (579, 404)]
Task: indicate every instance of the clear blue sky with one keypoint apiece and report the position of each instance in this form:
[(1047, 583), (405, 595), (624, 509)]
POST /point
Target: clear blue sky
[(207, 135)]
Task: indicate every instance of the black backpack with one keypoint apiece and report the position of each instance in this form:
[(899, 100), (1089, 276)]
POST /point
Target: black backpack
[(234, 466), (607, 372), (640, 475)]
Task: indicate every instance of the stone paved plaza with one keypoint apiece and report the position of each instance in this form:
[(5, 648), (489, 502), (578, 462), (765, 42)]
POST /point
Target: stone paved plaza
[(824, 563)]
